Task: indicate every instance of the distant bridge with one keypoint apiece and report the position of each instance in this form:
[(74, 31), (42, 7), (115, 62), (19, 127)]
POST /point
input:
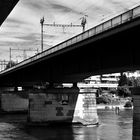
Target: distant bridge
[(109, 47)]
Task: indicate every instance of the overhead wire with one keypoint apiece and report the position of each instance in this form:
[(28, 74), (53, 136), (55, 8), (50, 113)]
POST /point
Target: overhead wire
[(83, 13), (65, 15)]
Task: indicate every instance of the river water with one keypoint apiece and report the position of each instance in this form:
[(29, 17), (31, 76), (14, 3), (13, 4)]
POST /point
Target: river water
[(113, 126)]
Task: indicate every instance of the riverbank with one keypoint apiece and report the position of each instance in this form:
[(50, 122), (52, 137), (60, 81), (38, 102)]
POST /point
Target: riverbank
[(112, 107)]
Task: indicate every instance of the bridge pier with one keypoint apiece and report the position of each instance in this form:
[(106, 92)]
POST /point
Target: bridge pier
[(13, 103), (136, 113), (86, 110), (62, 105)]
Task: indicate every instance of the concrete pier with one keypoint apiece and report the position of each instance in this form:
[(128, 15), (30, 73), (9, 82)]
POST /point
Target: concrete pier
[(62, 105), (13, 103), (52, 107), (136, 113), (86, 109)]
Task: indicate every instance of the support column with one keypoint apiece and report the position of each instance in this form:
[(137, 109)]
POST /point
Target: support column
[(11, 102), (136, 113), (63, 105), (86, 110), (55, 106)]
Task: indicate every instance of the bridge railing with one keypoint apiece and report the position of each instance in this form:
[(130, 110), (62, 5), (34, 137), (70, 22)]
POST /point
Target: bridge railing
[(120, 19)]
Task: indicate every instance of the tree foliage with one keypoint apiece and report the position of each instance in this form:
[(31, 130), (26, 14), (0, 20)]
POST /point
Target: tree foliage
[(125, 83), (123, 86), (135, 81), (10, 64)]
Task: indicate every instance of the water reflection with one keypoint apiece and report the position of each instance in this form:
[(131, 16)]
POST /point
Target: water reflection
[(51, 133), (115, 126), (112, 127)]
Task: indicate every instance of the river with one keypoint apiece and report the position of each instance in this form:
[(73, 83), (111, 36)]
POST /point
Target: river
[(112, 127)]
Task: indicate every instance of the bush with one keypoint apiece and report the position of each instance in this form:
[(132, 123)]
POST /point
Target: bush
[(124, 91), (103, 99)]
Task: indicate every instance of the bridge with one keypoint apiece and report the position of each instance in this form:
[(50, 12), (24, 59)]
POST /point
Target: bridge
[(109, 47)]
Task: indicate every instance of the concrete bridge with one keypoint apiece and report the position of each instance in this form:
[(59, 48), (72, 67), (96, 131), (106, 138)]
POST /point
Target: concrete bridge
[(112, 46), (109, 47)]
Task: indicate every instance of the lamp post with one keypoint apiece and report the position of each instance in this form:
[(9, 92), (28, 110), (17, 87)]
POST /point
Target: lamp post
[(42, 22), (83, 22), (10, 60)]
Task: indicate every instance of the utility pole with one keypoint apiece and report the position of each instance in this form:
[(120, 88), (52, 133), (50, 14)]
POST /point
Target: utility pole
[(83, 22), (10, 57), (59, 25), (42, 22)]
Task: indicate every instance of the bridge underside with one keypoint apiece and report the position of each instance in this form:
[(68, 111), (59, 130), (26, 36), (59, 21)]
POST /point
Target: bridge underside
[(115, 50), (6, 6)]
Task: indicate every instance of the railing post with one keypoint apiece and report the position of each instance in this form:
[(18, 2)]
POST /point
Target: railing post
[(121, 19), (102, 26), (111, 23), (131, 14)]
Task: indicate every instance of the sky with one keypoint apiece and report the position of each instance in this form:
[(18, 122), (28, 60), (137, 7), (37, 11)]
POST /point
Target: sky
[(22, 29)]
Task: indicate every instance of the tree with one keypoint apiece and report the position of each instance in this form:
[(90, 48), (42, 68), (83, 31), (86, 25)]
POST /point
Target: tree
[(135, 81), (124, 81), (10, 64), (123, 86)]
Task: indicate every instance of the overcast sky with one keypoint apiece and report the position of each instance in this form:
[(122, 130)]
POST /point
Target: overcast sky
[(22, 27)]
